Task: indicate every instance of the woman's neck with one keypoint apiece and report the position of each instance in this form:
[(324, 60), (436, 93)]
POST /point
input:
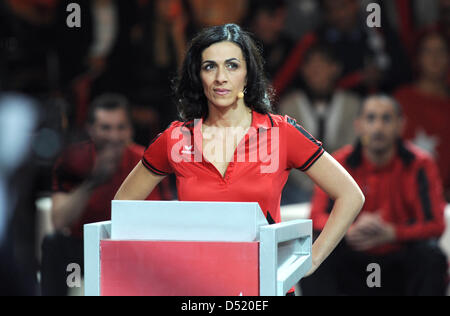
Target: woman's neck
[(238, 115)]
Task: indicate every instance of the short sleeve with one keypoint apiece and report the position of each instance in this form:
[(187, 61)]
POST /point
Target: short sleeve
[(156, 157), (303, 150)]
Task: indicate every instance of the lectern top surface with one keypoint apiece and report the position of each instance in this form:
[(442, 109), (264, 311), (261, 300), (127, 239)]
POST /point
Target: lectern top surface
[(189, 221)]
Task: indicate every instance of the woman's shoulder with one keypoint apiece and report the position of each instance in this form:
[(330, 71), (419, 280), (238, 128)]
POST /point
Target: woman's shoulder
[(291, 126), (283, 120), (178, 124)]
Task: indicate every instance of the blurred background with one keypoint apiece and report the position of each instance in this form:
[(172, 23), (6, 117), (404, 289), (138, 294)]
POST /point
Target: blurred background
[(317, 52)]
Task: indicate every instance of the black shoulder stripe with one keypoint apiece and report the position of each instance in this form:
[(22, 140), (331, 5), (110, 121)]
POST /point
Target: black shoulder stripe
[(303, 131), (405, 154), (424, 194)]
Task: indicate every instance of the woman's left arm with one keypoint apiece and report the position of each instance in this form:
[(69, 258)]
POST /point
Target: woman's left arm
[(334, 180)]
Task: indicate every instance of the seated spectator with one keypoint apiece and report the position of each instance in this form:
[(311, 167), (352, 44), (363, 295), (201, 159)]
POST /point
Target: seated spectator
[(266, 20), (322, 108), (86, 178), (426, 103), (401, 220), (371, 59)]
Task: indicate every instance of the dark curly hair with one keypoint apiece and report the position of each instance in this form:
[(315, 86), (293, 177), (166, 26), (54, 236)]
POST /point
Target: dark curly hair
[(188, 89)]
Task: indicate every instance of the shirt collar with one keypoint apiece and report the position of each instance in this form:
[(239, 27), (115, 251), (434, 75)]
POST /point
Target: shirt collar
[(259, 121), (389, 166)]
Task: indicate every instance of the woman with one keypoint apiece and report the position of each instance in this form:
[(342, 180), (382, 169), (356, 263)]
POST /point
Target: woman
[(426, 101), (224, 103)]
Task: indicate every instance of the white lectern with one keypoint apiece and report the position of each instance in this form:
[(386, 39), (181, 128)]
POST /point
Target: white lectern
[(194, 248)]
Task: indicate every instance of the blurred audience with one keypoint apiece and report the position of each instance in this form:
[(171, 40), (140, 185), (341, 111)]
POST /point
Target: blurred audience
[(411, 17), (371, 59), (164, 29), (266, 19), (444, 18), (401, 220), (303, 16), (25, 46), (86, 178), (322, 60), (96, 57), (324, 109), (208, 13), (426, 102)]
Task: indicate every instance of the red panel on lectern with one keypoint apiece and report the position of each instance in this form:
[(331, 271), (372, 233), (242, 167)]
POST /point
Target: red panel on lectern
[(166, 268)]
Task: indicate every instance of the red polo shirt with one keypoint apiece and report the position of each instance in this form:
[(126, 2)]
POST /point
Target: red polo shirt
[(75, 165), (273, 146)]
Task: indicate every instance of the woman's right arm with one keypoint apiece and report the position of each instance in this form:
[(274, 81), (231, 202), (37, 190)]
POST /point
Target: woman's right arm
[(139, 184)]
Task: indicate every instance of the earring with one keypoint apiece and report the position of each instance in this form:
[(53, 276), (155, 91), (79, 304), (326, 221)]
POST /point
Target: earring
[(242, 93)]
